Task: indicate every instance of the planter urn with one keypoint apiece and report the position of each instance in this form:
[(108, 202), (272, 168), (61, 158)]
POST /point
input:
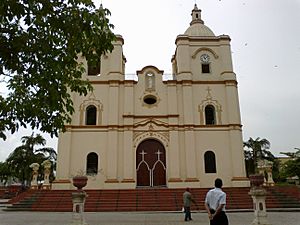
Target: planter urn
[(80, 182), (256, 180)]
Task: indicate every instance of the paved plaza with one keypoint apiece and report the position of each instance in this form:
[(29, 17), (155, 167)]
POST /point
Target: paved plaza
[(139, 218)]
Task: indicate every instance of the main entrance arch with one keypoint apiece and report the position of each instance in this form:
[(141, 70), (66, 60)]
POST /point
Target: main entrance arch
[(151, 164)]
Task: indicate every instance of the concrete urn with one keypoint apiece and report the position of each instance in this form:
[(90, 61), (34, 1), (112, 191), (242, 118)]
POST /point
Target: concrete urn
[(256, 180), (80, 182)]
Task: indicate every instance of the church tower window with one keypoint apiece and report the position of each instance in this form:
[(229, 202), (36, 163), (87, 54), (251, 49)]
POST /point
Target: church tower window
[(210, 115), (91, 115), (205, 60), (92, 163), (94, 68), (205, 68), (210, 162)]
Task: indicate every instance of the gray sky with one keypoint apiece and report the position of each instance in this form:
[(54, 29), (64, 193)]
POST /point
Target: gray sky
[(265, 43)]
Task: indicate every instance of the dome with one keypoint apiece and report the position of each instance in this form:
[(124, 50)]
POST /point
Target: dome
[(199, 29)]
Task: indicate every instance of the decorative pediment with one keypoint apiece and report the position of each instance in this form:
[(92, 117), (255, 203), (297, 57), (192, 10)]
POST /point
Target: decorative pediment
[(210, 101), (204, 49), (138, 137), (151, 123), (91, 100)]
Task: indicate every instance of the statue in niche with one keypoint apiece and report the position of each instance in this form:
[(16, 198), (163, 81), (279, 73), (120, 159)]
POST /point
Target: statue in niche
[(150, 81)]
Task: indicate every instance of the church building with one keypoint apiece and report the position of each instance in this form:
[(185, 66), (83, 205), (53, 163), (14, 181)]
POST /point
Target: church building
[(184, 131)]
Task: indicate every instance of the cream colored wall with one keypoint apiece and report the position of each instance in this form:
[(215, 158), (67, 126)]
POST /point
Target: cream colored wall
[(218, 142), (188, 53), (97, 142), (160, 91), (175, 120)]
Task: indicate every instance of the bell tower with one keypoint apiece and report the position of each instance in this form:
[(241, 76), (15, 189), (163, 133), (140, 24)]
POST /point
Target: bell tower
[(202, 64)]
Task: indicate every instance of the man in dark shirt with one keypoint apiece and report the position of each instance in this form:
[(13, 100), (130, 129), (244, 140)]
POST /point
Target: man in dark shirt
[(187, 202)]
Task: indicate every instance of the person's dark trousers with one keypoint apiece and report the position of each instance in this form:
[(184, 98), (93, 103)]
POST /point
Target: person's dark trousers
[(187, 211), (220, 219)]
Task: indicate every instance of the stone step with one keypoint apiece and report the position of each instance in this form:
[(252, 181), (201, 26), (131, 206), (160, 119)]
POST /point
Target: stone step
[(147, 200)]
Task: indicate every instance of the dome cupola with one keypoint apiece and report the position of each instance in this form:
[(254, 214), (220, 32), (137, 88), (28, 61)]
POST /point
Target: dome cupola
[(197, 27)]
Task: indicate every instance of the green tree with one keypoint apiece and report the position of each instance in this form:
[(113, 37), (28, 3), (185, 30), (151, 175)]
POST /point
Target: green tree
[(293, 155), (291, 168), (23, 156), (276, 170), (40, 41), (5, 173), (255, 150)]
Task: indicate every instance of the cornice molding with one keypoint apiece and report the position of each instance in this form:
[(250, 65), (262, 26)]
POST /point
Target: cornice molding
[(169, 127), (205, 49)]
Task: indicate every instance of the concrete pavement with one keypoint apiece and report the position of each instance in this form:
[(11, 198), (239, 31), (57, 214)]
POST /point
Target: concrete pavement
[(139, 218)]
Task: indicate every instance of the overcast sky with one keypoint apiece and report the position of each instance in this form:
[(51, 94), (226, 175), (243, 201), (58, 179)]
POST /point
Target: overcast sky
[(265, 43)]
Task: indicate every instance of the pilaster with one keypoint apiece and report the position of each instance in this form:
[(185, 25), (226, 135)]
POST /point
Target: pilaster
[(128, 154), (233, 107), (188, 117), (189, 145), (174, 162), (112, 157)]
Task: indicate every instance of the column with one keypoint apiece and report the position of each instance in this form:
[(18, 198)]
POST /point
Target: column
[(190, 156), (64, 159), (174, 163), (188, 106), (128, 151), (64, 156), (113, 106), (189, 140), (113, 140), (237, 153), (173, 149), (112, 157), (128, 164), (233, 108)]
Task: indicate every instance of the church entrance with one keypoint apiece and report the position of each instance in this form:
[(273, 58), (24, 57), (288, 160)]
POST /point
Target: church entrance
[(151, 164)]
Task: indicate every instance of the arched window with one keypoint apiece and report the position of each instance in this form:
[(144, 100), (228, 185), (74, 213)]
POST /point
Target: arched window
[(210, 115), (210, 162), (92, 163), (94, 68), (91, 115)]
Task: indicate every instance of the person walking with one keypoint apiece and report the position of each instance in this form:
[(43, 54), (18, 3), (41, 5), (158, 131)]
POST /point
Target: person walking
[(187, 202), (215, 202)]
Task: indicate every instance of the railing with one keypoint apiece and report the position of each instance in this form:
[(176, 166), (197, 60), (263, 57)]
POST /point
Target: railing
[(132, 76)]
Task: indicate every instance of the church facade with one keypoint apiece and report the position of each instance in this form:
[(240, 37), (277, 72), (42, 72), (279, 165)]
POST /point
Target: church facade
[(155, 132)]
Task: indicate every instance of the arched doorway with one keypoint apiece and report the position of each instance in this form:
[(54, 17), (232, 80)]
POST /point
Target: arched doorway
[(151, 164)]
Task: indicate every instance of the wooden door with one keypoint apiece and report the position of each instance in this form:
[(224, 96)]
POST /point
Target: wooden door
[(151, 164)]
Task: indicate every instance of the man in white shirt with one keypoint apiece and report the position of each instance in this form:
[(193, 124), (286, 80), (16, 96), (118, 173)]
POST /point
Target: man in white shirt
[(215, 202)]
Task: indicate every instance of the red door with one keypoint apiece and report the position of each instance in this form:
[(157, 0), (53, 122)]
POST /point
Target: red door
[(151, 164)]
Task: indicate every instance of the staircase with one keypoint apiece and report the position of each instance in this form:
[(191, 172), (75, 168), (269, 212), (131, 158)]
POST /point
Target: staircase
[(147, 199)]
